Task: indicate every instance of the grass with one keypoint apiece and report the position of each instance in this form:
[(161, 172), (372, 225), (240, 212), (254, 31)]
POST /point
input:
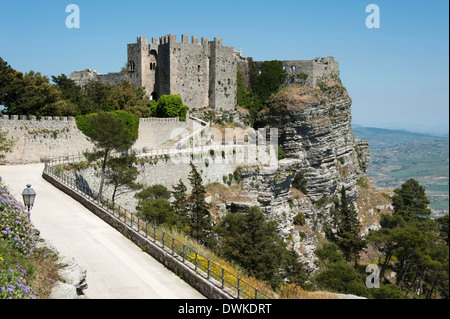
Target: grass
[(41, 271)]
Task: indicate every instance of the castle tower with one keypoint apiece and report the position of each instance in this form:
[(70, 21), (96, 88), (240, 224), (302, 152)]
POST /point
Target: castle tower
[(141, 65)]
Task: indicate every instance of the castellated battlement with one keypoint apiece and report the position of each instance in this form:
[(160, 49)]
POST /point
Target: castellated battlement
[(201, 72), (39, 138), (161, 120), (172, 38), (37, 118)]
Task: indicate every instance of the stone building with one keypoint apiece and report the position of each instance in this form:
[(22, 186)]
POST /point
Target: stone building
[(202, 72)]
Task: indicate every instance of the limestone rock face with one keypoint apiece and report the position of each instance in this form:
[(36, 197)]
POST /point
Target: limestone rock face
[(314, 130), (314, 126)]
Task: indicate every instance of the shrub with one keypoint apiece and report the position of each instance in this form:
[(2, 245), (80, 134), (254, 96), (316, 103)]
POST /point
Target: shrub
[(299, 219), (130, 121), (281, 154), (171, 106), (14, 283), (15, 239), (299, 182), (15, 226)]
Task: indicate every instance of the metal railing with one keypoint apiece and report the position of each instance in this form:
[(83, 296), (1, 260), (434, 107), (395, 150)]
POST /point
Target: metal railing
[(203, 266)]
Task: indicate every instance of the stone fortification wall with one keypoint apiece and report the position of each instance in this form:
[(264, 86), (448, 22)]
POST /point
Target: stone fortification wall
[(37, 139), (190, 72), (168, 167), (298, 72), (111, 78), (154, 132), (223, 76)]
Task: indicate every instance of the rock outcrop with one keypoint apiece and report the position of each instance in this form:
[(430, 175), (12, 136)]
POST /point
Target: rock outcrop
[(314, 126), (314, 130)]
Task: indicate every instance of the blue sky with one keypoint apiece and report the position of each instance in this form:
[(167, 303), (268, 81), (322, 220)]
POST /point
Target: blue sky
[(397, 75)]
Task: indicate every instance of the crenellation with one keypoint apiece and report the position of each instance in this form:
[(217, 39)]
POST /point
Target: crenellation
[(202, 74), (49, 137)]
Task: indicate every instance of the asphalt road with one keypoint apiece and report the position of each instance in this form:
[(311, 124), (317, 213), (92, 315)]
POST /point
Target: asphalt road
[(116, 267)]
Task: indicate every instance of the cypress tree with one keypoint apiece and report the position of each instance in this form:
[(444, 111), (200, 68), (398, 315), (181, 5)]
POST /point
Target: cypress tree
[(200, 219), (180, 204), (349, 240)]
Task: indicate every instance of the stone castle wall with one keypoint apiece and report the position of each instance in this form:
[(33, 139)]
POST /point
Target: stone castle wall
[(37, 139), (202, 73)]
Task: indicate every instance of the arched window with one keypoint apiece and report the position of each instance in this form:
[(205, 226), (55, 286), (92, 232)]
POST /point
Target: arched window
[(293, 68), (131, 66)]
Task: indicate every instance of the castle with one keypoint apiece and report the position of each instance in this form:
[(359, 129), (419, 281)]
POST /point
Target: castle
[(202, 72)]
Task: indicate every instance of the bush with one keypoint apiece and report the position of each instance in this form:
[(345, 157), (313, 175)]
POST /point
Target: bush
[(130, 121), (281, 154), (299, 219), (15, 240), (14, 283), (299, 182), (170, 106), (341, 277), (15, 226)]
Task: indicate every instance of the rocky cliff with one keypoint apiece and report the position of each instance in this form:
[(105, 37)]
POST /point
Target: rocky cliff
[(314, 129)]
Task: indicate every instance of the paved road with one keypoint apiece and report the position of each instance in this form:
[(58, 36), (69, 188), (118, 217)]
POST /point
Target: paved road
[(116, 267)]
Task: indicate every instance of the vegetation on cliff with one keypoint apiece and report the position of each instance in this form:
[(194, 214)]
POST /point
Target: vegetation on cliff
[(265, 81)]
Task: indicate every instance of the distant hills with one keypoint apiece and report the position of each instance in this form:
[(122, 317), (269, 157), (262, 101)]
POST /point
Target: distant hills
[(397, 155), (382, 138)]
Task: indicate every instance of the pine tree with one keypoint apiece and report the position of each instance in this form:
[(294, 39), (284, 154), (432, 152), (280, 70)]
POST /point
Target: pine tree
[(180, 204), (200, 217), (348, 238), (410, 200)]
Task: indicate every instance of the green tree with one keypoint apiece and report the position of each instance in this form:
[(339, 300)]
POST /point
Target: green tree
[(96, 98), (410, 200), (31, 94), (154, 207), (181, 204), (338, 275), (268, 79), (157, 211), (170, 106), (127, 97), (348, 234), (9, 88), (154, 192), (70, 91), (251, 241), (200, 223), (416, 248), (108, 132), (121, 174)]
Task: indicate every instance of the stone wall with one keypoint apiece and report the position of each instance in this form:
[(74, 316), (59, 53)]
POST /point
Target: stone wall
[(168, 170), (298, 72), (37, 139)]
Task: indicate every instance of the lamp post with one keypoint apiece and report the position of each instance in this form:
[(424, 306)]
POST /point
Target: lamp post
[(28, 195)]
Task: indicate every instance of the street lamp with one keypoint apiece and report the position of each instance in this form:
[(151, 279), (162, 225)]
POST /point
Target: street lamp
[(28, 195)]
